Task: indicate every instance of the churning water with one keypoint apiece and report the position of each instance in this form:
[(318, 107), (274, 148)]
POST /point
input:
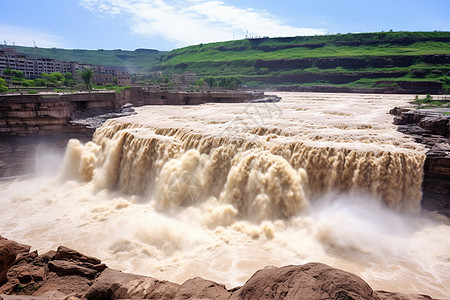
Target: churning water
[(222, 190)]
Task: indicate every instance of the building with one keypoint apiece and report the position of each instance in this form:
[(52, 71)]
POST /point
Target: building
[(189, 77), (33, 68), (158, 87), (177, 79), (103, 79), (147, 76), (124, 80)]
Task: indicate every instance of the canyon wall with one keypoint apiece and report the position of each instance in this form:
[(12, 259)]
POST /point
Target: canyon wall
[(46, 114)]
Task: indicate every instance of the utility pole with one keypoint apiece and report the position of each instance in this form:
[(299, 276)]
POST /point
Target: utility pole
[(36, 71)]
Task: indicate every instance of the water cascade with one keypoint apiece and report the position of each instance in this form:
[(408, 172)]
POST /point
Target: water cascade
[(222, 190)]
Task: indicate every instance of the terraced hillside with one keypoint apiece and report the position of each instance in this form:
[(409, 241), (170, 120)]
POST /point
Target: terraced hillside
[(386, 61)]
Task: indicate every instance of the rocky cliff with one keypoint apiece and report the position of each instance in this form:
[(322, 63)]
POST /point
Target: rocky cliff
[(431, 128), (68, 274), (50, 114)]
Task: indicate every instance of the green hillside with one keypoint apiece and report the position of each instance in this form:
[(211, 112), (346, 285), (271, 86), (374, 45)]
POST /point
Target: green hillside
[(400, 61), (355, 60), (140, 59)]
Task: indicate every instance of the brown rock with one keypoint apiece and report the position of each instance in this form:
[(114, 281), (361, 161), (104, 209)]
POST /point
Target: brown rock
[(397, 111), (199, 288), (47, 256), (7, 257), (383, 295), (99, 267), (313, 281), (62, 268), (64, 253), (113, 284), (436, 124), (8, 253), (61, 287)]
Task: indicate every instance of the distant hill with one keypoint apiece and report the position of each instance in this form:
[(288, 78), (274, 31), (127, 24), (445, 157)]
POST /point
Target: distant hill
[(416, 61), (140, 59)]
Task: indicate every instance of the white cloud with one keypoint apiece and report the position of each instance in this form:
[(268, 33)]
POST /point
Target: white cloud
[(25, 37), (194, 21)]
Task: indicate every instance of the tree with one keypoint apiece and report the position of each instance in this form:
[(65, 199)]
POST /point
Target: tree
[(46, 76), (56, 76), (211, 81), (86, 75), (17, 74), (8, 72), (3, 85), (39, 82), (68, 79), (224, 82), (68, 75), (199, 82)]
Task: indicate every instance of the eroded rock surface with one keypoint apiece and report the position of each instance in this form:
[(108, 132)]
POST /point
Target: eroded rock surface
[(69, 275), (432, 129)]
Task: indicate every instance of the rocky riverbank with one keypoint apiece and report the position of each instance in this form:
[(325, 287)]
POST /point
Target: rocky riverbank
[(431, 128), (68, 274)]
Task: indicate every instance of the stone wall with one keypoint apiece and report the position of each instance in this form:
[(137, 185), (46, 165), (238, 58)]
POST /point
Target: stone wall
[(185, 98)]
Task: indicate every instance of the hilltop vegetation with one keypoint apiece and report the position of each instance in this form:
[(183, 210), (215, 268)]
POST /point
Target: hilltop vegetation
[(353, 60), (139, 59), (399, 61)]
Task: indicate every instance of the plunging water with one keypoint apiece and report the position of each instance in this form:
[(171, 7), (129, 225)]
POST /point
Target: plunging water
[(222, 190)]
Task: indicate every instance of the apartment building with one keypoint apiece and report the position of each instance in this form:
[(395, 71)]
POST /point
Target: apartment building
[(124, 80), (189, 77), (177, 79), (34, 67), (103, 79)]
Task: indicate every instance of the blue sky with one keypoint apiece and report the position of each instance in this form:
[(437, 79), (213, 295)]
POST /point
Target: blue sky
[(169, 24)]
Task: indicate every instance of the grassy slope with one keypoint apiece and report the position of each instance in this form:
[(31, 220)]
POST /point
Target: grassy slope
[(144, 59), (239, 57), (347, 45)]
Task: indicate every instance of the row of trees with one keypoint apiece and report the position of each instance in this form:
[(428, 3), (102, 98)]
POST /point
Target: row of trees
[(228, 82), (54, 79), (57, 79)]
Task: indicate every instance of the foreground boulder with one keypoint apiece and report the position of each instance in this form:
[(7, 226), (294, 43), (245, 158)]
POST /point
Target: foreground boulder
[(52, 275), (69, 275), (309, 282)]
